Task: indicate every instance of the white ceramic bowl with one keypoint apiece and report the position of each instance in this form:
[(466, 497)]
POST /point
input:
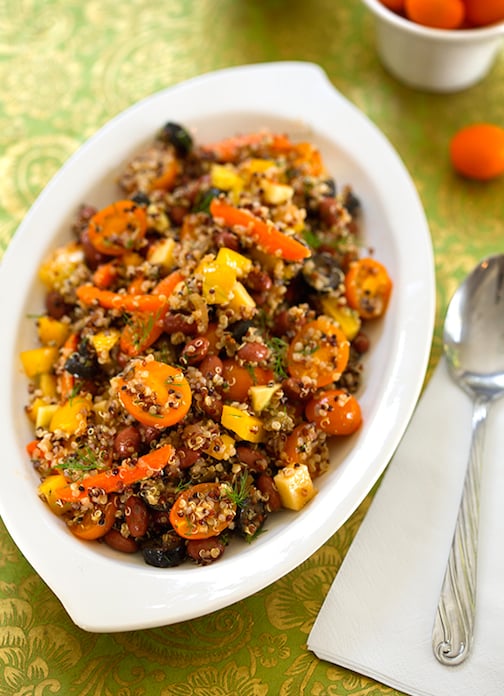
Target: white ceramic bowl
[(103, 590), (436, 60)]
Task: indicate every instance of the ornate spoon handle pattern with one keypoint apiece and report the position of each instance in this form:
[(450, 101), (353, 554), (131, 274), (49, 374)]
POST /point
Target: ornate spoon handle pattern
[(454, 623)]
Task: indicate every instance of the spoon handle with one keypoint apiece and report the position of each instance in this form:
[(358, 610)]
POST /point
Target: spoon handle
[(453, 626)]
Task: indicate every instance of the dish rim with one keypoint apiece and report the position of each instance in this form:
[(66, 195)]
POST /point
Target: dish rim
[(322, 106)]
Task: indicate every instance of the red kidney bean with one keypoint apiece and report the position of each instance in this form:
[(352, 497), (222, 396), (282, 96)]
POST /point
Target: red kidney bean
[(205, 551), (137, 516), (212, 365), (361, 343), (93, 257), (252, 458), (211, 404), (227, 239), (127, 442), (267, 486), (253, 352), (329, 211), (194, 351), (296, 390), (186, 457), (258, 281), (178, 323), (177, 213), (56, 306), (117, 541), (148, 433)]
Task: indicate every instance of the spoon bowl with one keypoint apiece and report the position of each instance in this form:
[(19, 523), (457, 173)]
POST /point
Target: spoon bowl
[(474, 349)]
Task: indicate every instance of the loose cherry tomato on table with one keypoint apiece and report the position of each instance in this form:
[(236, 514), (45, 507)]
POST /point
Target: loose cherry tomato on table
[(477, 151), (203, 511), (368, 288), (320, 350), (335, 411), (118, 228)]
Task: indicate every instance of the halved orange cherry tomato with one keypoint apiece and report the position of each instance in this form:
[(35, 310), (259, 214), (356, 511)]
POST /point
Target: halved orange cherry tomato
[(335, 412), (239, 379), (118, 228), (92, 527), (368, 288), (320, 350), (203, 511), (155, 393)]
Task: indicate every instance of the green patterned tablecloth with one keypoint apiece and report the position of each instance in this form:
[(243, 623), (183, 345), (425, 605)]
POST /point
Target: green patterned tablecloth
[(67, 67)]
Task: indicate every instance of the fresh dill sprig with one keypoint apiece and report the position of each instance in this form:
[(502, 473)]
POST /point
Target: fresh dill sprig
[(278, 347), (82, 460), (239, 492)]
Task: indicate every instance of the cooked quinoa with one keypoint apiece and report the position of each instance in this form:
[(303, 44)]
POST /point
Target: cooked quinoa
[(201, 341)]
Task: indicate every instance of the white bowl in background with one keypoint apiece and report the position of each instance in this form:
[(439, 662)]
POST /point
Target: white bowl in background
[(101, 589), (435, 60)]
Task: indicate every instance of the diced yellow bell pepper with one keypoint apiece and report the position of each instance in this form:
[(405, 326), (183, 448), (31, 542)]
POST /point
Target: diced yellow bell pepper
[(60, 265), (295, 486), (240, 297), (71, 417), (161, 253), (274, 193), (247, 427), (218, 282), (47, 384), (347, 318), (45, 414), (103, 342), (36, 361), (233, 260), (33, 407), (222, 447), (226, 178), (52, 332), (261, 395), (48, 491), (257, 165)]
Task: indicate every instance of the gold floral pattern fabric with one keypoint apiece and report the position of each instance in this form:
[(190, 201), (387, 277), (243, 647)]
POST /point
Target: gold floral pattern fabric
[(67, 67)]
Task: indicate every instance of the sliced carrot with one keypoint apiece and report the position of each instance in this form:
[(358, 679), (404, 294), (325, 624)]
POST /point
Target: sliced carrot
[(368, 288), (144, 328), (118, 228), (117, 479), (230, 149), (264, 233), (320, 350), (169, 393), (203, 511), (89, 295), (105, 275)]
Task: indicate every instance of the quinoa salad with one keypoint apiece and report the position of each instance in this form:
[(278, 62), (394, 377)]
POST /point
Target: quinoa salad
[(201, 342)]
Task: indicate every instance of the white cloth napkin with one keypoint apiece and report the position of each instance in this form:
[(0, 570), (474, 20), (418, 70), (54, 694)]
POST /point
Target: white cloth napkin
[(377, 618)]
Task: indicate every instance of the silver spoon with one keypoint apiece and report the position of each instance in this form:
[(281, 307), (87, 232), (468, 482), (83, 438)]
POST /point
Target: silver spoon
[(474, 348)]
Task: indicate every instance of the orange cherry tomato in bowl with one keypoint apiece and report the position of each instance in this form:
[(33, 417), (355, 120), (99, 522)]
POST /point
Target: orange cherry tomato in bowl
[(439, 14), (368, 288), (335, 412), (203, 510), (118, 228), (154, 393), (239, 379), (320, 350), (93, 526), (477, 151), (481, 13)]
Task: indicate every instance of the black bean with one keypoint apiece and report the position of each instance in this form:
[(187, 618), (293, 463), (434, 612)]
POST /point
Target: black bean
[(176, 135), (166, 551)]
